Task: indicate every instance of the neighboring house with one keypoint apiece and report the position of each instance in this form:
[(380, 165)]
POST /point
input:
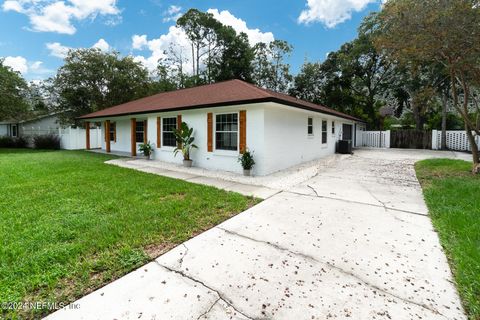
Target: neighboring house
[(43, 124), (227, 118), (70, 138)]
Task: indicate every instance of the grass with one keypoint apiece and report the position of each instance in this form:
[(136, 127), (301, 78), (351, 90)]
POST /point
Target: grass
[(452, 194), (70, 223)]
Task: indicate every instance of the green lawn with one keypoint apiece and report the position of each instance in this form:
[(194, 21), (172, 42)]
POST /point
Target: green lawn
[(70, 223), (452, 194)]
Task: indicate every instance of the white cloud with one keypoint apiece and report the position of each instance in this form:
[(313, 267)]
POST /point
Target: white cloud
[(17, 63), (102, 45), (10, 5), (60, 51), (57, 50), (254, 35), (27, 68), (172, 14), (331, 12), (139, 42), (58, 16), (177, 39)]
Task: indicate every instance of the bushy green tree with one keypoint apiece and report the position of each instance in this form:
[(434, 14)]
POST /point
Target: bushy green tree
[(441, 31), (92, 80), (13, 90)]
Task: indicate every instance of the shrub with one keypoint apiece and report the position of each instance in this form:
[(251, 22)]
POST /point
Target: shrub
[(13, 142), (47, 141), (246, 160)]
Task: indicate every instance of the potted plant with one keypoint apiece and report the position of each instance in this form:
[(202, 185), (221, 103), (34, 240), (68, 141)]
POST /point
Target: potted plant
[(247, 162), (184, 138), (146, 148)]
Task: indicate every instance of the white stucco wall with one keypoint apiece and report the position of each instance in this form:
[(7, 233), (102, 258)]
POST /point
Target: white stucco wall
[(197, 119), (277, 135), (287, 140)]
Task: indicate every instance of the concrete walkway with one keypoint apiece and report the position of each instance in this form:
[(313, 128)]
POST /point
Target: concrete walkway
[(353, 242), (154, 167)]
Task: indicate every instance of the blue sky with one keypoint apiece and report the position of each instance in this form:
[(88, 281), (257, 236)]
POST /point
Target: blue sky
[(35, 34)]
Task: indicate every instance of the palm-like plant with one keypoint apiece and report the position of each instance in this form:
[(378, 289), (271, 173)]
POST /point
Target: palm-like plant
[(184, 138)]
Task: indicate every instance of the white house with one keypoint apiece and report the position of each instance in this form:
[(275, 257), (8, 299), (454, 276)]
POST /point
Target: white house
[(227, 118)]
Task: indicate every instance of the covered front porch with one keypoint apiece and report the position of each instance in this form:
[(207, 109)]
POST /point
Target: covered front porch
[(120, 135)]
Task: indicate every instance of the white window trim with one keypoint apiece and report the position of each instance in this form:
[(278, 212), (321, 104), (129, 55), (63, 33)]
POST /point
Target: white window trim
[(310, 135), (326, 131), (222, 152), (139, 120), (164, 147)]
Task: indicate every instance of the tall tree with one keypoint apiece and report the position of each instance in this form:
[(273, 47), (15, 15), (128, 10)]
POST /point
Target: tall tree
[(13, 90), (92, 80), (445, 31), (352, 79), (235, 57), (270, 69)]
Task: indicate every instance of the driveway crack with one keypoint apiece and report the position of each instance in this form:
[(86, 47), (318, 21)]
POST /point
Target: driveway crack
[(311, 258), (180, 261), (209, 309), (315, 191), (220, 295)]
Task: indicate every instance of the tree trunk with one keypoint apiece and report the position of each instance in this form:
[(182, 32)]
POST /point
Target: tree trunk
[(193, 60), (444, 121), (417, 117), (475, 154)]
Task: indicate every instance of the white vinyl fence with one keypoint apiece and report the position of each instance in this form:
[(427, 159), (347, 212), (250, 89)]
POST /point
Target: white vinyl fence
[(456, 140), (75, 138), (373, 139)]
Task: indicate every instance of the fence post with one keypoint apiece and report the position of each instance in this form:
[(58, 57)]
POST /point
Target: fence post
[(387, 139), (434, 140)]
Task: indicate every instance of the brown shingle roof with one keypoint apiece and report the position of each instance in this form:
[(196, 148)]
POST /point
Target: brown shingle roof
[(225, 93)]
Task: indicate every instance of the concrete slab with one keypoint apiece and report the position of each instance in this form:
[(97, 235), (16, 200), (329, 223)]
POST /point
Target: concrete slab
[(220, 184), (150, 292), (352, 242), (251, 190), (176, 174)]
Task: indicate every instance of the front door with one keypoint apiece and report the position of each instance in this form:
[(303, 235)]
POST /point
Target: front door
[(347, 132)]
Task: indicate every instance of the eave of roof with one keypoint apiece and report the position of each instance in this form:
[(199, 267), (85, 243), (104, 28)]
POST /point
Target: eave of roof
[(261, 95)]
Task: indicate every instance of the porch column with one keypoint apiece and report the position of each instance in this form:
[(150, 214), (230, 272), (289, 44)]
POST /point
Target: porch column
[(133, 127), (107, 135), (87, 134)]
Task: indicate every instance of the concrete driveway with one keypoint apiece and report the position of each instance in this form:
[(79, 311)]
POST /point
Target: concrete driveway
[(353, 242)]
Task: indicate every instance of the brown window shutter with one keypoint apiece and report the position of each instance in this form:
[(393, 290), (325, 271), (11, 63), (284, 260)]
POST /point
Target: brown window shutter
[(159, 132), (105, 129), (145, 136), (114, 131), (243, 131), (210, 132), (179, 124), (133, 143)]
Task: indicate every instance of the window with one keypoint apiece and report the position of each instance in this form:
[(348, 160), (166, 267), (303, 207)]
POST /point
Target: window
[(139, 131), (324, 131), (333, 127), (226, 131), (113, 133), (310, 126), (14, 130), (168, 138)]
